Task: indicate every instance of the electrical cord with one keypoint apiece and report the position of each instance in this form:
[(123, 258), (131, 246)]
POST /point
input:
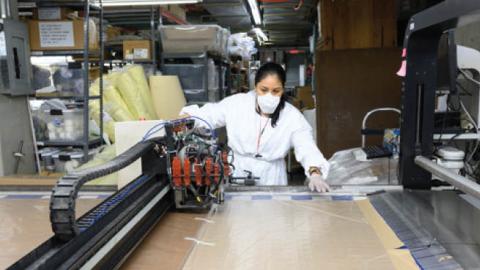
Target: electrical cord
[(476, 131), (468, 93), (156, 128), (467, 76)]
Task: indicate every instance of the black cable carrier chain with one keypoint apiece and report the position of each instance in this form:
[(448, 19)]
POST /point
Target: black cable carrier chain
[(65, 192)]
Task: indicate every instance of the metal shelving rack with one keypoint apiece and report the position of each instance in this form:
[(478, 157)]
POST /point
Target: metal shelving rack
[(154, 18), (86, 143), (220, 63)]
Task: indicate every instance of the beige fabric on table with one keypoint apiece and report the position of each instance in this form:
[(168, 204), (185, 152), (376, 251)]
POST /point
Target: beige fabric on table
[(292, 235)]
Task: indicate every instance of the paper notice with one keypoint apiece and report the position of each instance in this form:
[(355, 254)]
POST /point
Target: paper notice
[(140, 53), (49, 14), (56, 34)]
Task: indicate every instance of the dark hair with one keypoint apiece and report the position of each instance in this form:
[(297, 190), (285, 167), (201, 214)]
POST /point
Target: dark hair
[(273, 69)]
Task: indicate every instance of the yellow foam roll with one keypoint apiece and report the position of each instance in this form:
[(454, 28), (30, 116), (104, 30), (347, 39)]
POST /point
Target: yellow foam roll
[(95, 88), (131, 95), (168, 97), (138, 75), (108, 123), (115, 105), (112, 78)]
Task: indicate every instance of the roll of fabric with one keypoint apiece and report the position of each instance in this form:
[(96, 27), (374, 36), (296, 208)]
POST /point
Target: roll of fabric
[(132, 97), (115, 105), (138, 75)]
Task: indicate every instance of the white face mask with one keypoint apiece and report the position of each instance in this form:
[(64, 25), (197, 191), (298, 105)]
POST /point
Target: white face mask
[(268, 103)]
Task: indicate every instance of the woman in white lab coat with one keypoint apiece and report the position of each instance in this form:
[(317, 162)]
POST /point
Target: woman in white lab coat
[(261, 129)]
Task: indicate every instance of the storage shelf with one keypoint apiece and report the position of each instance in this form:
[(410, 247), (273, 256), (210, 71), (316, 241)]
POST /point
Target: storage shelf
[(464, 136), (56, 96), (64, 53), (117, 61), (77, 143), (71, 4)]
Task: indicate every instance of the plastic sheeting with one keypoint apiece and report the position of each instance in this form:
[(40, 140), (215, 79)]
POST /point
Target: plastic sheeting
[(297, 235), (349, 167), (241, 44)]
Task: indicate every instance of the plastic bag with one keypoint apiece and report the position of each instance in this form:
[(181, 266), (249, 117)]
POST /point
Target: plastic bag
[(348, 168)]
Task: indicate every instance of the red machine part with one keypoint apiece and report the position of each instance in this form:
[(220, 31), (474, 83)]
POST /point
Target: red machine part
[(226, 166), (208, 170), (216, 170), (187, 172), (198, 173), (177, 172)]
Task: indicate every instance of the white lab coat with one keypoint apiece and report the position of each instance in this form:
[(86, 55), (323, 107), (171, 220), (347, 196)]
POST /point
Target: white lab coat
[(242, 122)]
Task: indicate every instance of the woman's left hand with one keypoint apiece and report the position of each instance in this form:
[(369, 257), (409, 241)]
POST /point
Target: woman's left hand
[(316, 183)]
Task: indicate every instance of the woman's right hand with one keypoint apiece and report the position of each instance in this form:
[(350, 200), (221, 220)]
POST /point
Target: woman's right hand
[(316, 183)]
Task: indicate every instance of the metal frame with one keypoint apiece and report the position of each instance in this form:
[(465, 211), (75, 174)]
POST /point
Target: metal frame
[(153, 12), (365, 118), (85, 143), (418, 101)]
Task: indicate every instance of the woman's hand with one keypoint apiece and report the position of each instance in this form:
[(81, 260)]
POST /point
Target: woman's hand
[(316, 183)]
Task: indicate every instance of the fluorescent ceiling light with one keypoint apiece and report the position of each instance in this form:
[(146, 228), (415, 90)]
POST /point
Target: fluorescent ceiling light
[(259, 32), (255, 12), (118, 3)]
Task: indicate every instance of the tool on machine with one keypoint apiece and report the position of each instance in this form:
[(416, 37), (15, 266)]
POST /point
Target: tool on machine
[(248, 180), (199, 168)]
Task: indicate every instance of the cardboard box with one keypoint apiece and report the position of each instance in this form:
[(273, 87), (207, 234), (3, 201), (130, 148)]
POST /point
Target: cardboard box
[(112, 32), (177, 11), (59, 35), (137, 50), (51, 13), (305, 95)]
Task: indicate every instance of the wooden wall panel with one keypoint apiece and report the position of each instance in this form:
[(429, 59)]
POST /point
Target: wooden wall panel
[(349, 84), (354, 24)]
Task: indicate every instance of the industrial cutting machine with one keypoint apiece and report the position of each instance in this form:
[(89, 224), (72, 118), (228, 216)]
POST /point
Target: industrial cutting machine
[(184, 169)]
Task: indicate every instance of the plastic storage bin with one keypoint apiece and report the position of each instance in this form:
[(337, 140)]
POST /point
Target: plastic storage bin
[(191, 76), (47, 161), (191, 38), (69, 80), (214, 95), (224, 42), (64, 125), (67, 161), (196, 95)]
